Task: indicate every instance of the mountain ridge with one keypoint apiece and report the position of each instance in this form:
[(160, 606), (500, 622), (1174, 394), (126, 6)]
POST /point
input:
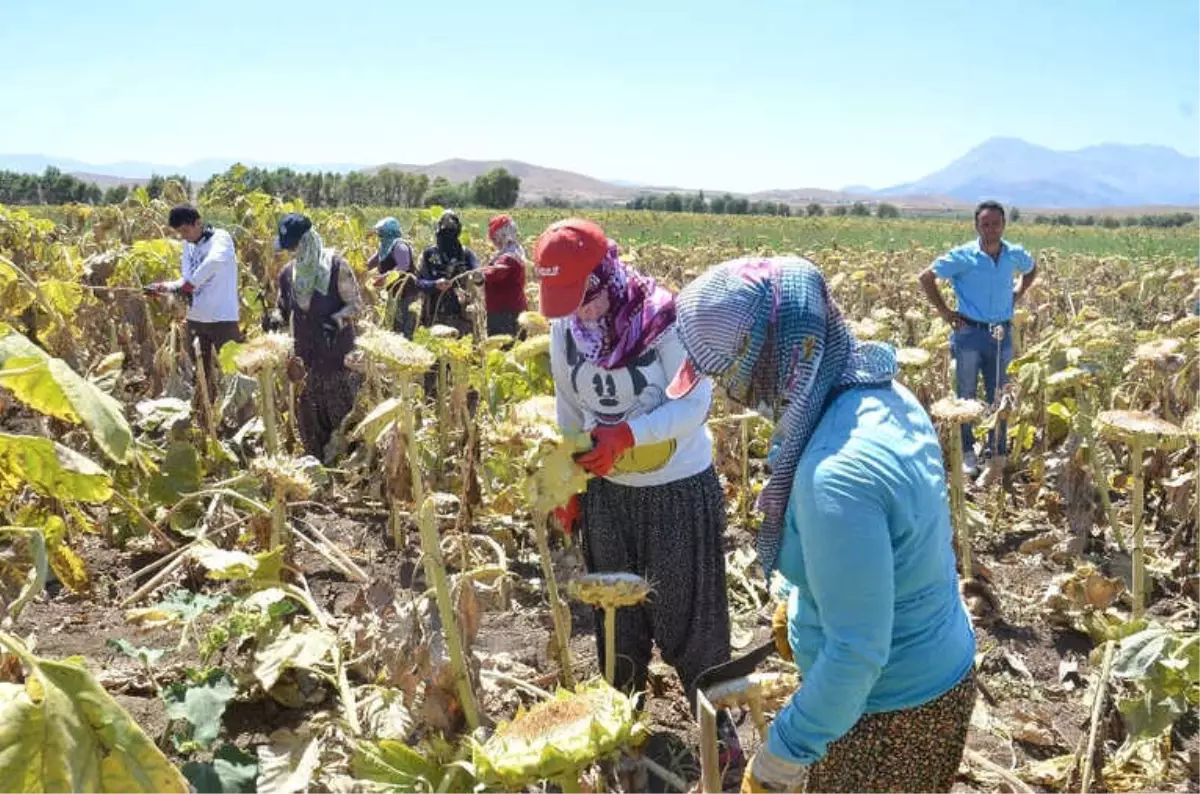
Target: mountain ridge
[(1010, 170), (1014, 171)]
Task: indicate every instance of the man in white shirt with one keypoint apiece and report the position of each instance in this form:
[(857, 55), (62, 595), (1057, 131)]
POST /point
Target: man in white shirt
[(210, 285)]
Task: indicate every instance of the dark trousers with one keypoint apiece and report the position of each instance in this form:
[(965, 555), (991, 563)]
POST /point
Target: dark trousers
[(670, 535), (212, 337), (501, 323)]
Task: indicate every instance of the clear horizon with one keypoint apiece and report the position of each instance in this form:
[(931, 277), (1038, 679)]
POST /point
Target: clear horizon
[(768, 96)]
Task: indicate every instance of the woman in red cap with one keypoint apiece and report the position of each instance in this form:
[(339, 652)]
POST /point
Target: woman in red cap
[(655, 507), (504, 289)]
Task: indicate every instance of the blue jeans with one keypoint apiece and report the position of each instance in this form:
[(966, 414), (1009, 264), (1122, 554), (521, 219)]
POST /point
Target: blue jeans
[(975, 351)]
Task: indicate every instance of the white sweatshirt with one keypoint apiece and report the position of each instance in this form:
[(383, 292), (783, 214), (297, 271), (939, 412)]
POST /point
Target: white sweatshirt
[(211, 267), (671, 439)]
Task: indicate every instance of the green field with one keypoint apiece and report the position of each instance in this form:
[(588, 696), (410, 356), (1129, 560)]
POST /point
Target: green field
[(630, 227)]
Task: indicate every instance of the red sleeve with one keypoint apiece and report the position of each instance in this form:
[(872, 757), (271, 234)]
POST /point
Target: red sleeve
[(504, 268)]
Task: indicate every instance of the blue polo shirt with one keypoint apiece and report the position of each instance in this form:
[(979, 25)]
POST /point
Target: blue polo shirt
[(984, 286), (876, 621)]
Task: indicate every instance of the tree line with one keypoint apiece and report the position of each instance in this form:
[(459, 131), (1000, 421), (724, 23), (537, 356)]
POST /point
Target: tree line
[(387, 187), (497, 189), (727, 204), (54, 187), (1162, 221)]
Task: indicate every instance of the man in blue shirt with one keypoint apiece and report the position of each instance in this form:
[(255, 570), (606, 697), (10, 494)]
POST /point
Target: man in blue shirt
[(981, 274)]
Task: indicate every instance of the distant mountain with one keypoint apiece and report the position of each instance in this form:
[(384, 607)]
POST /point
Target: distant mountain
[(1007, 169), (1014, 171)]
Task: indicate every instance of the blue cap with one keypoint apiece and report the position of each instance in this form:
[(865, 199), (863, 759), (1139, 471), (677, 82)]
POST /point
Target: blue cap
[(291, 228)]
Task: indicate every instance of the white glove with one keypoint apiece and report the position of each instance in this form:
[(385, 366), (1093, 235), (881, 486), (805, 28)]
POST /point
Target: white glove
[(774, 774)]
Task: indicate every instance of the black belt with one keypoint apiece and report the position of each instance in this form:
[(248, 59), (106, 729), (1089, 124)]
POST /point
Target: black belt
[(978, 324)]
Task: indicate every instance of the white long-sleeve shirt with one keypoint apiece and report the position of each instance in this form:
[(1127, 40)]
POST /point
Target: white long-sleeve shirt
[(671, 439), (211, 267)]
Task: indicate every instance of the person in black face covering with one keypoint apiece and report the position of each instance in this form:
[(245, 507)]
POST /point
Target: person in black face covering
[(441, 265)]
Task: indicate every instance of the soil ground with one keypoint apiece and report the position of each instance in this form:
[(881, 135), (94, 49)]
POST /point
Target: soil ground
[(1029, 671)]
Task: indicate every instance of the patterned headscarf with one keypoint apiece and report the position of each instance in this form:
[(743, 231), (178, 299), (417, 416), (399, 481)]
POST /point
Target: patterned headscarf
[(390, 233), (770, 332), (639, 311), (314, 264), (503, 232)]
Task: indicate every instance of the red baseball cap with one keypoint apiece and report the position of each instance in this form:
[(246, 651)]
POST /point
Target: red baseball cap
[(566, 254)]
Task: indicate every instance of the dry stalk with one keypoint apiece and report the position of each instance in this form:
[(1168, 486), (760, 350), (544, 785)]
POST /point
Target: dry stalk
[(1089, 755)]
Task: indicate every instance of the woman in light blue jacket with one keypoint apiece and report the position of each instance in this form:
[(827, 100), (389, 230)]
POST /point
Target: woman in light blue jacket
[(856, 520)]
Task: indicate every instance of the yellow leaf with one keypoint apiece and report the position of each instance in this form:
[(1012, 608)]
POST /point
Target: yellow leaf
[(63, 296), (224, 564), (63, 732), (52, 469), (50, 386), (70, 568)]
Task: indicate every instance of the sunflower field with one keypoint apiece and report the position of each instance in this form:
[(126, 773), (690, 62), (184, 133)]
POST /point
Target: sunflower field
[(187, 603)]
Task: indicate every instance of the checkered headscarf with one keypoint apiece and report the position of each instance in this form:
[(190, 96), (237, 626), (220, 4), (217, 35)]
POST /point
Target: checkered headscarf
[(770, 333)]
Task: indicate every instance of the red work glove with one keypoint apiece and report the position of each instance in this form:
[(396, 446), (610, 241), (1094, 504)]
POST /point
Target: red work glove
[(610, 444), (567, 516)]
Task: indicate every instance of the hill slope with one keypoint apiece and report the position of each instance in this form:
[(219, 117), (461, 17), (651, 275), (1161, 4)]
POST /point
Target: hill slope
[(536, 181)]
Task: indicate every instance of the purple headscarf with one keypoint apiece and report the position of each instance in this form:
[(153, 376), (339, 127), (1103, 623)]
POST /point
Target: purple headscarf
[(639, 311)]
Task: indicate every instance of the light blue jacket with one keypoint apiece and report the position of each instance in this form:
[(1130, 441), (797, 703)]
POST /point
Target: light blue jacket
[(876, 621)]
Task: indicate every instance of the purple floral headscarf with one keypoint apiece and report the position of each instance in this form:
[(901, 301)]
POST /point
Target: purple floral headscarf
[(639, 311)]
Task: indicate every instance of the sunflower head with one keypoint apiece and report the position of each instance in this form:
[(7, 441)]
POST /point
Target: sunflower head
[(956, 411), (532, 348), (533, 323), (558, 737), (267, 350), (1145, 428), (609, 590), (395, 352), (912, 358), (283, 474)]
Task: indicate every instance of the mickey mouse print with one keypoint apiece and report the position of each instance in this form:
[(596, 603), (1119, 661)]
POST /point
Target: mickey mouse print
[(671, 439)]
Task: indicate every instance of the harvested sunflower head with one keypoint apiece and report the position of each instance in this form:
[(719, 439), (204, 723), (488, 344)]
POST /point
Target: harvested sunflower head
[(558, 738), (283, 474)]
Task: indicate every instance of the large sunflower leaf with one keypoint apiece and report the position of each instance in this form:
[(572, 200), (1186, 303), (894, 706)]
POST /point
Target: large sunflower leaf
[(396, 765), (179, 474), (303, 649), (201, 703), (63, 732), (289, 762), (50, 386), (230, 772), (52, 469)]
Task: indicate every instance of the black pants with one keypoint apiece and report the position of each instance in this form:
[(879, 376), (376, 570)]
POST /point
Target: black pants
[(212, 337), (499, 323), (671, 535)]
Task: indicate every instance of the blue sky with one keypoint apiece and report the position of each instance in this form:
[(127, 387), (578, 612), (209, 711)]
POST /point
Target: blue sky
[(732, 95)]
